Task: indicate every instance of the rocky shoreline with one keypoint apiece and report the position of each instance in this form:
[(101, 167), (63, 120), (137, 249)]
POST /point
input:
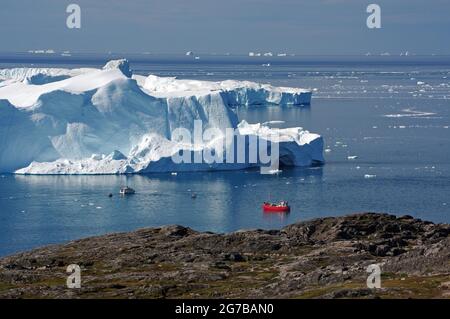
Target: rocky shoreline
[(321, 258)]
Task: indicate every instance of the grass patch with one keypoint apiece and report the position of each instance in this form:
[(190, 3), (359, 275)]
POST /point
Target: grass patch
[(321, 291)]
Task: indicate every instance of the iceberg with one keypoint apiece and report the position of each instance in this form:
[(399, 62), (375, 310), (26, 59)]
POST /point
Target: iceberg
[(22, 74), (110, 121), (235, 93), (154, 154)]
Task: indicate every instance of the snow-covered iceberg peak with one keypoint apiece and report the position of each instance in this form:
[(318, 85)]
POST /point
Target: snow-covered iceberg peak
[(121, 64), (109, 121)]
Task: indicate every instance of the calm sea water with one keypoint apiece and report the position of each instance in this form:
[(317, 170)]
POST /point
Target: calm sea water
[(392, 113)]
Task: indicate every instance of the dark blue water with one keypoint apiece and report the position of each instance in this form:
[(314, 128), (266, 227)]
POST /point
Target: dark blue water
[(370, 108)]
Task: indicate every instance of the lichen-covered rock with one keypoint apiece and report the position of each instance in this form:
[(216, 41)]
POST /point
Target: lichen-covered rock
[(321, 258)]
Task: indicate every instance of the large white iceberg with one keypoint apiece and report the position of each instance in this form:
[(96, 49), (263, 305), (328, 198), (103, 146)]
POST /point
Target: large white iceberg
[(235, 93), (108, 121)]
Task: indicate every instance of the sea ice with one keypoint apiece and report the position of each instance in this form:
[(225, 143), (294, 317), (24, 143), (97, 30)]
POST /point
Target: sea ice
[(407, 112), (274, 171)]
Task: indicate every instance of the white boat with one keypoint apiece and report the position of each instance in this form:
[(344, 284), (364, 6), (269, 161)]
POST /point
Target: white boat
[(127, 191)]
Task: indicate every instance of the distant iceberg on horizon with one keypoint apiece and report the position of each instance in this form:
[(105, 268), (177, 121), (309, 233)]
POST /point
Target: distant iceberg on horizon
[(109, 121)]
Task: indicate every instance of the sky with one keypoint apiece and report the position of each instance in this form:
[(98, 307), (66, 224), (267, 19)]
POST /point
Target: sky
[(227, 26)]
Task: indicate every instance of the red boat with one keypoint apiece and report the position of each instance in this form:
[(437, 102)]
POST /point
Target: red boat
[(280, 207)]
